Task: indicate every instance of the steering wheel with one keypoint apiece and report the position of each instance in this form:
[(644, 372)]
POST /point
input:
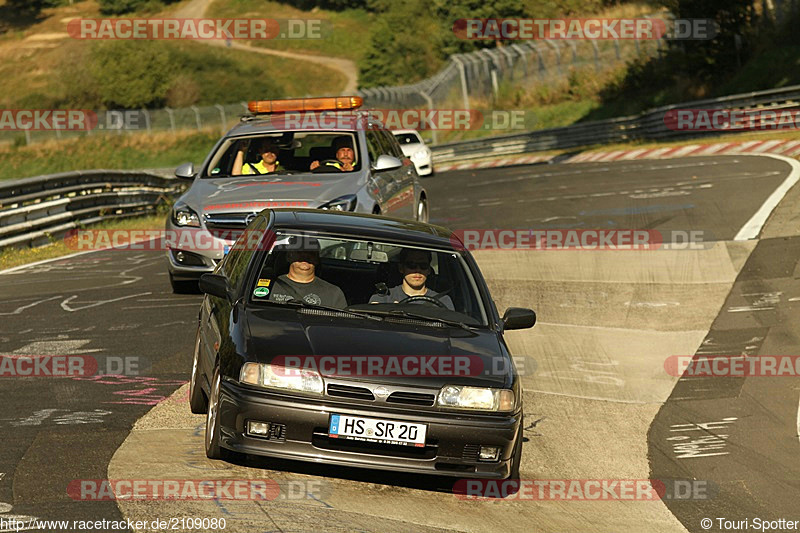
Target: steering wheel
[(420, 298), (329, 163)]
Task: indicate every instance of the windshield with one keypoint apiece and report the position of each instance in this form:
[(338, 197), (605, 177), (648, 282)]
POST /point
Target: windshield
[(289, 152), (407, 138), (368, 276)]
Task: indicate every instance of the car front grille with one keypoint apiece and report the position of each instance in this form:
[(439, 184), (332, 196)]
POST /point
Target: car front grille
[(411, 398), (347, 391), (226, 220), (470, 452)]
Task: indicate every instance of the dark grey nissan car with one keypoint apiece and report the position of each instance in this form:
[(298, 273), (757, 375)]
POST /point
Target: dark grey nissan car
[(206, 220), (420, 383)]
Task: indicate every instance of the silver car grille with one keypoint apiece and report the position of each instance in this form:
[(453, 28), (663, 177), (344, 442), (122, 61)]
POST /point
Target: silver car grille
[(227, 220)]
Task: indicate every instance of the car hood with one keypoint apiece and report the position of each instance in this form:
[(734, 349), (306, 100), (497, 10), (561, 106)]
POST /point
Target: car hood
[(411, 149), (273, 337), (255, 193)]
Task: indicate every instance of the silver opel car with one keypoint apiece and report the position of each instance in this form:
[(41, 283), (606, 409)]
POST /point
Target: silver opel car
[(311, 153)]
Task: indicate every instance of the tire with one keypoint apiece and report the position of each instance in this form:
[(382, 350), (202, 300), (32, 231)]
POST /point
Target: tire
[(212, 438), (197, 401), (183, 287), (422, 210)]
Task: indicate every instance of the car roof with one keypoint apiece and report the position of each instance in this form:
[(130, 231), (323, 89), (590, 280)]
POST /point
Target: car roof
[(401, 132), (266, 123), (362, 225)]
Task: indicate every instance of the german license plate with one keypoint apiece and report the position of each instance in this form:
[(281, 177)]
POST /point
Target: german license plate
[(377, 430)]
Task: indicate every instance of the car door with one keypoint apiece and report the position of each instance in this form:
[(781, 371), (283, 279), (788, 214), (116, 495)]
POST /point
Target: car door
[(215, 314), (403, 176), (381, 182)]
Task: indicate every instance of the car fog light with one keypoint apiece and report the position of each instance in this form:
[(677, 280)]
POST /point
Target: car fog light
[(489, 453), (180, 257), (260, 429)]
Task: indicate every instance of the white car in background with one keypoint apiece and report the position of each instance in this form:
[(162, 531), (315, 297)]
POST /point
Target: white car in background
[(415, 149)]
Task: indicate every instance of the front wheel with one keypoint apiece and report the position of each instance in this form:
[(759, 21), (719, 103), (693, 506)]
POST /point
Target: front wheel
[(197, 402), (213, 449)]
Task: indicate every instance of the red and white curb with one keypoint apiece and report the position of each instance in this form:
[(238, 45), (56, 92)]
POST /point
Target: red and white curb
[(779, 147)]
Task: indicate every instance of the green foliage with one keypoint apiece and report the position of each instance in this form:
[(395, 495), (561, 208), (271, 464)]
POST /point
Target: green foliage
[(425, 29), (403, 48), (131, 74), (690, 69), (23, 13), (128, 151), (120, 7)]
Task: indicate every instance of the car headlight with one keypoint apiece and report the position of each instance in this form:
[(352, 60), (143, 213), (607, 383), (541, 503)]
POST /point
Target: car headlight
[(476, 398), (419, 154), (279, 377), (184, 216), (343, 203)]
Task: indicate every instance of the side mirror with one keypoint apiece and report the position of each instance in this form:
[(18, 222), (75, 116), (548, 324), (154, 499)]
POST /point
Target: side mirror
[(386, 162), (515, 318), (185, 171), (215, 285)]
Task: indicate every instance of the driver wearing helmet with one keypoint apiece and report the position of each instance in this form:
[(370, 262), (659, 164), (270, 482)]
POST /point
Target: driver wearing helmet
[(415, 267)]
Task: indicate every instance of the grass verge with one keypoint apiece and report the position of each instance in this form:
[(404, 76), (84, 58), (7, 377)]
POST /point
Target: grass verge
[(124, 152), (13, 257)]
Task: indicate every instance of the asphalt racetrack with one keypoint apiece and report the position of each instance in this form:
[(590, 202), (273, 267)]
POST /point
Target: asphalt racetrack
[(599, 402)]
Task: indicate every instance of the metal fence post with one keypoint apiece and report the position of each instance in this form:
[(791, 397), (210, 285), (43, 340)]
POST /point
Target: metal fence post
[(463, 75), (596, 54), (197, 116), (171, 114), (222, 116), (430, 108), (147, 124)]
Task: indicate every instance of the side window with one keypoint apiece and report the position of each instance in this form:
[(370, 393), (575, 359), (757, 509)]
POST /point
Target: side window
[(392, 148), (373, 145), (235, 264)]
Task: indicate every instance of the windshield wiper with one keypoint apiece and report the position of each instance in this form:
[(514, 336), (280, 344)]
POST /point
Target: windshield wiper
[(294, 302), (406, 314)]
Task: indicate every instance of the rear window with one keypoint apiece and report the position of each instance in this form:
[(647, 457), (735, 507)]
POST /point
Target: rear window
[(407, 138)]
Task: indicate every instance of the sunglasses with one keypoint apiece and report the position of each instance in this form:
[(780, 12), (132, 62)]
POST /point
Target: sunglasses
[(411, 265)]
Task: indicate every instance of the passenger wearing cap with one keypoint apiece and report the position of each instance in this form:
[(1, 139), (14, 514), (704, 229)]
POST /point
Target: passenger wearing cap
[(268, 149), (302, 283), (345, 155)]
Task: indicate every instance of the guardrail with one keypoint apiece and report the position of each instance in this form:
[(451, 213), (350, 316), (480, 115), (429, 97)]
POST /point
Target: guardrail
[(34, 211), (649, 125)]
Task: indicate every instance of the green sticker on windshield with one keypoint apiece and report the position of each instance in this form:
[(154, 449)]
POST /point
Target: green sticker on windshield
[(261, 292)]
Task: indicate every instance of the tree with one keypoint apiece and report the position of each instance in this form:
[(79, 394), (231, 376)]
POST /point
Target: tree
[(131, 74), (403, 48)]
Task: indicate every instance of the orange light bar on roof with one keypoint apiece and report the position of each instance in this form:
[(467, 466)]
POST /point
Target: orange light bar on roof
[(334, 103)]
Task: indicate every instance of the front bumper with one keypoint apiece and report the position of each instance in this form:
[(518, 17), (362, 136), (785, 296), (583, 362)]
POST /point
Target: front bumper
[(451, 444)]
